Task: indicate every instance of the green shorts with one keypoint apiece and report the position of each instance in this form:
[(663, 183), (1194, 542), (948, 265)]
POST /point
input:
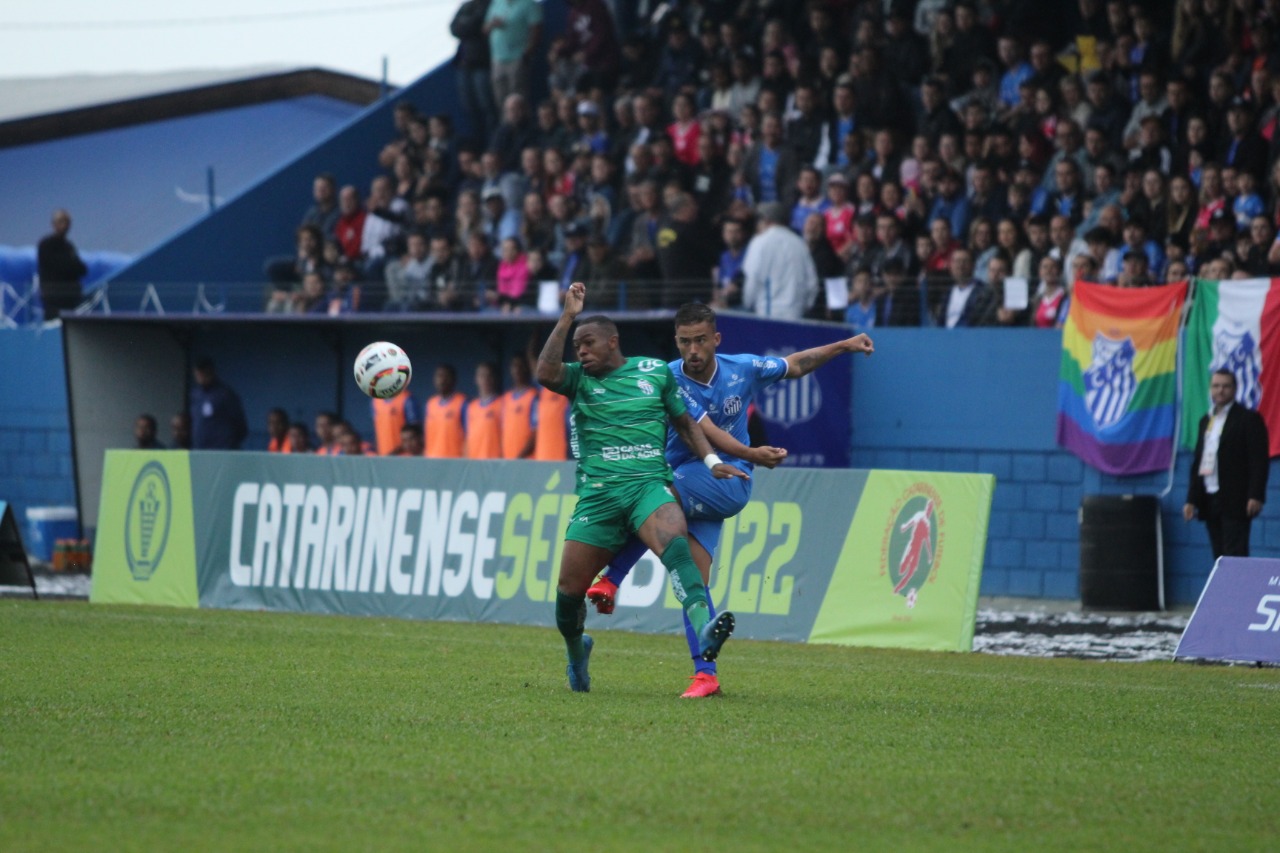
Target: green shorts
[(606, 517)]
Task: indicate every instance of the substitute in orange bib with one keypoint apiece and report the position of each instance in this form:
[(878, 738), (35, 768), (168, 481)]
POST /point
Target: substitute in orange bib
[(390, 417), (278, 430), (483, 423), (551, 427), (326, 440), (443, 421), (517, 411)]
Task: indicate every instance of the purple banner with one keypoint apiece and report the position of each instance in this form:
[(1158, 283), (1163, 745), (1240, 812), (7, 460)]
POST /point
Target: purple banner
[(809, 416), (1238, 615)]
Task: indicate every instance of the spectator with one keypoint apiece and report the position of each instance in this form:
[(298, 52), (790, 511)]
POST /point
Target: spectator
[(1049, 306), (382, 224), (60, 269), (514, 28), (951, 204), (837, 213), (497, 221), (512, 291), (323, 213), (591, 44), (349, 229), (1135, 269), (516, 133), (679, 59), (285, 275), (1066, 246), (684, 131), (727, 275), (899, 301), (442, 422), (471, 67), (965, 299), (861, 313), (863, 249), (477, 275), (604, 275), (770, 166), (685, 252), (407, 276), (780, 279), (217, 416), (345, 290), (180, 431), (826, 263), (809, 198), (278, 431), (996, 314), (144, 433)]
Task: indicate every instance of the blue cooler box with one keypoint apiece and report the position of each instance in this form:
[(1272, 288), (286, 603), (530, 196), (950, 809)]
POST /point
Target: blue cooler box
[(46, 525)]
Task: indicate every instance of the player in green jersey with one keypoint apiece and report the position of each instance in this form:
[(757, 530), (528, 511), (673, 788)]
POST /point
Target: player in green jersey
[(620, 407)]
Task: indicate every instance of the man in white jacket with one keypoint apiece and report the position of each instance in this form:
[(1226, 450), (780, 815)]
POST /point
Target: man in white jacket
[(781, 280)]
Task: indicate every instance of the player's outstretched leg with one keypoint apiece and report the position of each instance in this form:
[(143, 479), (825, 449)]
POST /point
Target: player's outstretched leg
[(714, 634), (604, 592), (571, 615)]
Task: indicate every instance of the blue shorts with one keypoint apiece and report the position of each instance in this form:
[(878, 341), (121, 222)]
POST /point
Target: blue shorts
[(702, 496)]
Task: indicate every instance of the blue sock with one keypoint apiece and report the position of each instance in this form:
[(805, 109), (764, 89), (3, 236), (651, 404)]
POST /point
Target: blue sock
[(695, 645), (625, 560)]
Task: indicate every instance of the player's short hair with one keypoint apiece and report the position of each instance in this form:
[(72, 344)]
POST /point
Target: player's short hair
[(416, 429), (610, 328), (693, 313)]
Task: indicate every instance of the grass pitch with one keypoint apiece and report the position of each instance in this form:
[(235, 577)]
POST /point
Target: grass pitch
[(136, 728)]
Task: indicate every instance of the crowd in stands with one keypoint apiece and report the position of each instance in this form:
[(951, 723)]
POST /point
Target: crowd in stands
[(885, 162)]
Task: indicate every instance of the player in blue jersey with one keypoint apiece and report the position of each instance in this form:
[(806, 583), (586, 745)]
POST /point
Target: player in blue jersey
[(722, 387)]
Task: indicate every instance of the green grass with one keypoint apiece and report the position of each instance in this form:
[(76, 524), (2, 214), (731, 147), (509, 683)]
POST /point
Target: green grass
[(134, 728)]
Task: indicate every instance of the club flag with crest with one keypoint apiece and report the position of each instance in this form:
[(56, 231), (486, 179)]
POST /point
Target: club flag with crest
[(1233, 324), (1117, 387)]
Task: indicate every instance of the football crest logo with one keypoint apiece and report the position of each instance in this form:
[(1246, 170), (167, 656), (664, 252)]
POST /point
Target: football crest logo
[(1238, 352), (912, 543), (146, 521), (1109, 381), (646, 386)]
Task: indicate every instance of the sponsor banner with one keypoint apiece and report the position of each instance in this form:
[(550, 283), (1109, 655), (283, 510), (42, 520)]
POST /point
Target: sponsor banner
[(857, 557), (812, 412), (145, 531), (910, 565), (1238, 615)]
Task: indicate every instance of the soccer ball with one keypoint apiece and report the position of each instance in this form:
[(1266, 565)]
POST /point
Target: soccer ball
[(382, 370)]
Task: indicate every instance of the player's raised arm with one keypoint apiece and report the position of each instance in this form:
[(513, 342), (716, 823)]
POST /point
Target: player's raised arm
[(550, 371), (765, 455), (806, 361), (691, 434)]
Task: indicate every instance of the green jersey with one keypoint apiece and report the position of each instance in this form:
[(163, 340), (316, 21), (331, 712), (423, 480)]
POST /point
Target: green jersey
[(620, 420)]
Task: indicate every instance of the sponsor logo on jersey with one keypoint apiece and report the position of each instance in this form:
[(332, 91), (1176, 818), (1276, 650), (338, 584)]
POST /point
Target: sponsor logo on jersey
[(646, 386), (648, 365), (625, 452)]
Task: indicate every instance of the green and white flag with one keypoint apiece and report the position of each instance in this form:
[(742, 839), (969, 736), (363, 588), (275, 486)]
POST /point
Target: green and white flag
[(1233, 325)]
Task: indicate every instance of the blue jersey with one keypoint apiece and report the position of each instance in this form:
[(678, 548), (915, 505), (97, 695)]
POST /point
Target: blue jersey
[(735, 383)]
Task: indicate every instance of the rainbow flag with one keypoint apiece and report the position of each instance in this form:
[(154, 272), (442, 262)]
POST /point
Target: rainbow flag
[(1117, 386), (1234, 324)]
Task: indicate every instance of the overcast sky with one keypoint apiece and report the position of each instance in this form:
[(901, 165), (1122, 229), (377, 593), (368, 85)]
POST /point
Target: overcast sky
[(39, 38)]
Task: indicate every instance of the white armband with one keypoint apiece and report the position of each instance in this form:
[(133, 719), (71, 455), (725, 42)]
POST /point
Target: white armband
[(711, 460)]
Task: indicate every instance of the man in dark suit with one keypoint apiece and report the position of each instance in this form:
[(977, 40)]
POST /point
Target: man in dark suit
[(1229, 469), (965, 301), (899, 304)]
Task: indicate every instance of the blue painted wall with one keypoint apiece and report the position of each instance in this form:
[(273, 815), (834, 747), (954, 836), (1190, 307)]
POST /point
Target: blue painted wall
[(35, 447), (928, 400)]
